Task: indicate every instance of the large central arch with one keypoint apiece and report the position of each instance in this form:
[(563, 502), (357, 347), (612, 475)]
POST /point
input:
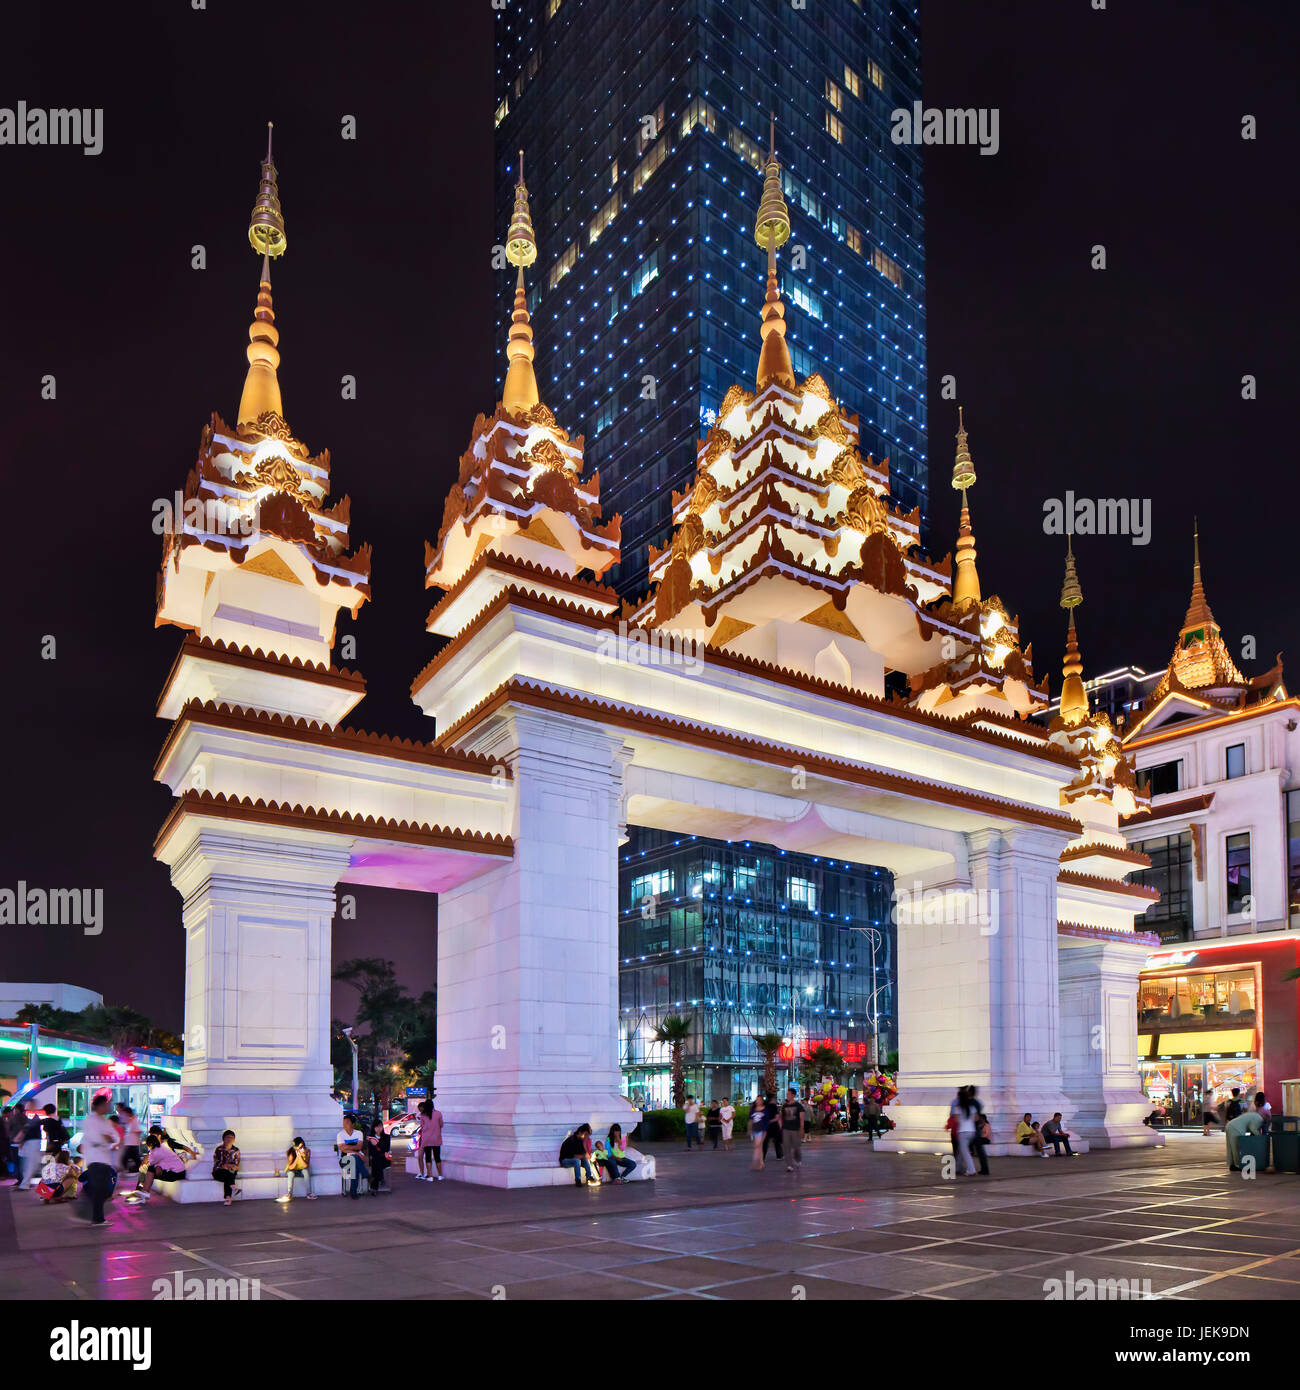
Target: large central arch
[(743, 697)]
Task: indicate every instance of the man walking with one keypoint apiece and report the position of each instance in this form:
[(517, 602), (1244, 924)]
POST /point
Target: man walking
[(794, 1120), (100, 1141), (692, 1114)]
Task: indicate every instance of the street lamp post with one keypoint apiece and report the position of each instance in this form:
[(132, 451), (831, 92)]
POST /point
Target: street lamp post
[(356, 1098)]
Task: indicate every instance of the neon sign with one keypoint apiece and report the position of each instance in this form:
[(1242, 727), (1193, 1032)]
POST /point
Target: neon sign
[(850, 1051)]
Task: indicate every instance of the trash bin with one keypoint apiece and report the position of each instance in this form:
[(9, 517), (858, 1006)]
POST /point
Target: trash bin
[(1253, 1146), (1284, 1135)]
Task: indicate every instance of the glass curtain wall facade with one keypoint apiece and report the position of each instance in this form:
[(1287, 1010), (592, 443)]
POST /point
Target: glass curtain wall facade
[(644, 129), (744, 939)]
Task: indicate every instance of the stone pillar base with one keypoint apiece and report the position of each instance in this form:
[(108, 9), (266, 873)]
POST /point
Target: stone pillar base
[(265, 1124)]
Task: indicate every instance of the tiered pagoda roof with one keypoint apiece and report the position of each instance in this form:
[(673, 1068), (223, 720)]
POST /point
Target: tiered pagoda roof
[(520, 497), (789, 549), (256, 502)]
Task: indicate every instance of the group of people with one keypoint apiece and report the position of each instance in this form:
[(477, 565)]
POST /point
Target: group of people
[(1038, 1136), (719, 1121), (1240, 1121), (589, 1158), (971, 1133), (781, 1126)]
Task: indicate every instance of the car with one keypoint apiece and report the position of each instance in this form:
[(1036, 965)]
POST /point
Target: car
[(402, 1126)]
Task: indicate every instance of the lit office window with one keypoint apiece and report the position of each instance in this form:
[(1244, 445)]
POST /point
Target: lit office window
[(888, 267), (875, 75), (1236, 760), (613, 174), (803, 893), (699, 112), (805, 299), (552, 7), (605, 216), (746, 148), (853, 238), (502, 111), (562, 267), (652, 884), (1237, 871), (643, 171), (647, 271), (834, 96), (852, 81), (834, 127)]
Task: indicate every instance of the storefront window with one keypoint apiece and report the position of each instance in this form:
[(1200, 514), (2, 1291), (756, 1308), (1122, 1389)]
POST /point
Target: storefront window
[(1205, 998)]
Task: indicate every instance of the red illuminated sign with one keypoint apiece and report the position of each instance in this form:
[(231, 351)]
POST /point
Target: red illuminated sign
[(850, 1051)]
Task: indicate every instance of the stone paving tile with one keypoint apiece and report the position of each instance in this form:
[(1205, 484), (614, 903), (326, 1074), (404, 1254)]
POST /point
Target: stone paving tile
[(1002, 1286), (781, 1288), (689, 1271), (1111, 1267), (1051, 1239), (1246, 1288), (1224, 1238), (571, 1286), (900, 1273), (876, 1241)]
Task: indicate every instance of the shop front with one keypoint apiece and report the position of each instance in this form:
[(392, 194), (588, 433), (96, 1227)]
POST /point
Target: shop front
[(1213, 1018)]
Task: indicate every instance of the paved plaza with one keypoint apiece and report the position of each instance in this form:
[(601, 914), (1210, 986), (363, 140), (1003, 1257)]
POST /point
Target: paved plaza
[(853, 1225)]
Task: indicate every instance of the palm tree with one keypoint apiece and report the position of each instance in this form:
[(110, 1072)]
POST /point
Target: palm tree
[(769, 1044), (673, 1030)]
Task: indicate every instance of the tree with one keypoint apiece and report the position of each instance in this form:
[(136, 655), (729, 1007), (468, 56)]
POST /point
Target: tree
[(114, 1025), (769, 1044), (673, 1030)]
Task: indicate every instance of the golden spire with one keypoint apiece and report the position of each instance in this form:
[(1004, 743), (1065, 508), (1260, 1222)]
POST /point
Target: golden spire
[(1074, 698), (771, 230), (266, 235), (1198, 610), (966, 584), (520, 391)]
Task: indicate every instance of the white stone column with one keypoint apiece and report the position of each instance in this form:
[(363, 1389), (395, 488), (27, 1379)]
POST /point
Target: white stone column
[(1099, 1042), (257, 916), (978, 1002), (528, 963)]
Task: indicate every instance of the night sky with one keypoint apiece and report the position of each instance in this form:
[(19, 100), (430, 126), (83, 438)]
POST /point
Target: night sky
[(1120, 127)]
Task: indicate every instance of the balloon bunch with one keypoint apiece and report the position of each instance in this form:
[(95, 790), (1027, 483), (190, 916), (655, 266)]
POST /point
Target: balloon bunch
[(827, 1095), (879, 1085)]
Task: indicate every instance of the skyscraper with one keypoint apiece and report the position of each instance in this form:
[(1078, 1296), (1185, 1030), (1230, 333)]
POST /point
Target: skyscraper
[(645, 132), (645, 129)]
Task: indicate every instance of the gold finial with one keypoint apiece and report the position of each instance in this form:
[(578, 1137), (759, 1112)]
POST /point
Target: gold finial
[(1198, 610), (266, 226), (520, 390), (963, 470), (966, 582), (1071, 591), (1074, 698), (521, 244), (265, 234), (772, 229)]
